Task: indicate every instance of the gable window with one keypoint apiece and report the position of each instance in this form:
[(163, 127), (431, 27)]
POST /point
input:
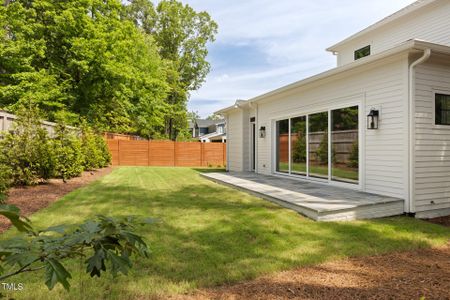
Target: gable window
[(363, 52), (442, 109)]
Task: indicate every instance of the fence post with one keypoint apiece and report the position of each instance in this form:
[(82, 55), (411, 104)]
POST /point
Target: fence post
[(202, 152), (118, 152), (224, 154), (148, 153), (174, 153)]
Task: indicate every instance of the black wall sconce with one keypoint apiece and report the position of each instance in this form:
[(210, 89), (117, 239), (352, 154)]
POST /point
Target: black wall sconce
[(373, 119), (262, 132)]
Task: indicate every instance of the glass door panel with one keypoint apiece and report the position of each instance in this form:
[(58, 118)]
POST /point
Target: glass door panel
[(318, 145), (282, 144), (298, 145), (345, 152)]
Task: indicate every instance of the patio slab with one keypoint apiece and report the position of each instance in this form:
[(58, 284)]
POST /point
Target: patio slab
[(320, 202)]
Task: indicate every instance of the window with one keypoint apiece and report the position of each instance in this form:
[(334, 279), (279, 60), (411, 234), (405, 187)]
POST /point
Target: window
[(320, 148), (344, 144), (298, 145), (442, 109), (363, 52), (283, 146), (318, 145)]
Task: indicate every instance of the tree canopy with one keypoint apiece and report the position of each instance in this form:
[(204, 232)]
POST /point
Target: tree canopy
[(125, 67)]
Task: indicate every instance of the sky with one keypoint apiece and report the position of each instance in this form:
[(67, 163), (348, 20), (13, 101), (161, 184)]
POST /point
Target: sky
[(265, 44)]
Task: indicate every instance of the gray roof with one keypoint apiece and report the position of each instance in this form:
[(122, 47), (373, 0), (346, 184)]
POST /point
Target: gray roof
[(207, 123)]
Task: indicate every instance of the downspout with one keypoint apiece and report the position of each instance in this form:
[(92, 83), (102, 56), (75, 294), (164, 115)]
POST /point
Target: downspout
[(227, 145), (256, 138), (412, 129)]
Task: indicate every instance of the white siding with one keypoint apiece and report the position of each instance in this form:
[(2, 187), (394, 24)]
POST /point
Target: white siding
[(383, 87), (432, 147), (431, 23), (235, 140)]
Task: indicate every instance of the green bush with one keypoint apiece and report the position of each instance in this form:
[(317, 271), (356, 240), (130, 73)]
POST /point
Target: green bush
[(322, 151), (91, 155), (299, 149), (68, 158), (5, 181), (27, 150), (354, 156), (95, 151), (105, 155)]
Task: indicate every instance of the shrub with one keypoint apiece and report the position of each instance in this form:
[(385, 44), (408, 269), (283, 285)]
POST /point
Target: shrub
[(5, 181), (105, 155), (299, 149), (95, 151), (354, 156), (91, 154), (68, 159), (27, 150), (322, 151)]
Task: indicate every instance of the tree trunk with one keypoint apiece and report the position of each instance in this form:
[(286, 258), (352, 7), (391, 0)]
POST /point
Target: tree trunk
[(6, 2)]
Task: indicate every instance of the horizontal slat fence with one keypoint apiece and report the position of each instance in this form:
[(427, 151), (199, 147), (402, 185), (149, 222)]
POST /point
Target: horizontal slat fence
[(166, 153)]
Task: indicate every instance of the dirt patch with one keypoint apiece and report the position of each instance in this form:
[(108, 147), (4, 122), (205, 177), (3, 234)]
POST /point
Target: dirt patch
[(34, 198), (406, 275), (444, 221)]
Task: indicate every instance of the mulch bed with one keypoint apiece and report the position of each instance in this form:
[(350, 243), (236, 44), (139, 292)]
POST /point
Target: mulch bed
[(444, 221), (404, 275), (31, 199)]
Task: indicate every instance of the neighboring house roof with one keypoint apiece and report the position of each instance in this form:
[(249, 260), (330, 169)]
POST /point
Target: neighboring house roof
[(388, 20), (208, 123), (406, 46), (204, 123), (212, 135)]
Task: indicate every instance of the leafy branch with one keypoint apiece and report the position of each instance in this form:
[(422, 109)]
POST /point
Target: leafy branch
[(111, 241)]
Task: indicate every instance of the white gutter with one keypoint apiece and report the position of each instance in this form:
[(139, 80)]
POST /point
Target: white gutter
[(412, 130)]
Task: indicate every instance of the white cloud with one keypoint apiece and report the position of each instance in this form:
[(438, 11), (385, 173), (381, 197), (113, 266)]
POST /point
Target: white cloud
[(289, 38)]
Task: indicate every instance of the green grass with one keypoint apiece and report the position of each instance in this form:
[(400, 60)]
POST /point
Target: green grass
[(321, 170), (209, 235)]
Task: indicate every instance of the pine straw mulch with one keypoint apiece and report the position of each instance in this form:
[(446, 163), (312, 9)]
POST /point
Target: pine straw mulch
[(444, 221), (33, 198), (402, 275)]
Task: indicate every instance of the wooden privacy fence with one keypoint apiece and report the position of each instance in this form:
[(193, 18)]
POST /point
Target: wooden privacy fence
[(342, 143), (166, 153)]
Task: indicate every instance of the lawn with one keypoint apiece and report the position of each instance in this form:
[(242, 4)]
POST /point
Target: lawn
[(209, 235), (338, 173)]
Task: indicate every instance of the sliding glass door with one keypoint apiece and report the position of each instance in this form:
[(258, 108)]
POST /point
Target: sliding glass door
[(283, 146), (345, 150), (320, 145), (298, 145)]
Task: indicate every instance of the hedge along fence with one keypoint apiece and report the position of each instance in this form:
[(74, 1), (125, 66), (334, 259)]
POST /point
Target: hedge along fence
[(166, 153)]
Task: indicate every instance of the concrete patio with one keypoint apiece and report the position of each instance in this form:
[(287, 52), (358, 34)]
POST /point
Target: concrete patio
[(317, 201)]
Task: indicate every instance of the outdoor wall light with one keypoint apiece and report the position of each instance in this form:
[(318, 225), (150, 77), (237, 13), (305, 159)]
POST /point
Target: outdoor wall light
[(262, 132), (372, 119)]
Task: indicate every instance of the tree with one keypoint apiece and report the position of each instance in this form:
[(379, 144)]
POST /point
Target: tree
[(193, 115), (81, 58), (214, 117), (111, 242), (182, 35)]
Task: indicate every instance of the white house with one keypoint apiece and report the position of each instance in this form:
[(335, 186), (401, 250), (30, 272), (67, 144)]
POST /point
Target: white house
[(379, 122)]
